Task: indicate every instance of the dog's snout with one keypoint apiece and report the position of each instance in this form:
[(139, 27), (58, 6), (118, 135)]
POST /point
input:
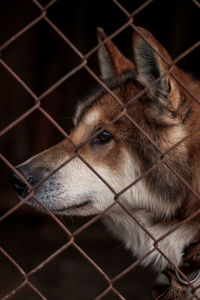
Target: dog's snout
[(20, 185)]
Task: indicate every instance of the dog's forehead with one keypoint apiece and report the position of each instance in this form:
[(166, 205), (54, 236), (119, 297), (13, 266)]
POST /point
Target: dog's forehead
[(96, 107), (87, 113)]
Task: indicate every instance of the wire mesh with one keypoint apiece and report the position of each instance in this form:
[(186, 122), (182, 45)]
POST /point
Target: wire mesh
[(110, 282)]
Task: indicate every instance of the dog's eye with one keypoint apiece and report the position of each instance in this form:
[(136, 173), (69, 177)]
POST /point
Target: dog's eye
[(103, 138)]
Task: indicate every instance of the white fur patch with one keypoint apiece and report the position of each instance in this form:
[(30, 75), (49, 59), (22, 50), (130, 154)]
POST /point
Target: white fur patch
[(140, 243), (92, 117)]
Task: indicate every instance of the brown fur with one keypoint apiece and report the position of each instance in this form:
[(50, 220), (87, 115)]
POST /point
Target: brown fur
[(149, 130)]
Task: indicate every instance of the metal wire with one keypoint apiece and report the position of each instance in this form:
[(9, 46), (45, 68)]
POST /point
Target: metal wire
[(37, 107)]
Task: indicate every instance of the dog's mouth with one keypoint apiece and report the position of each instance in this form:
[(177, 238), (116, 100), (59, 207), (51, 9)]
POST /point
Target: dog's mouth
[(80, 205)]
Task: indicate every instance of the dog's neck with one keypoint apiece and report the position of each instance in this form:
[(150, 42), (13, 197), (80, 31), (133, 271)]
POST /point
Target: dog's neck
[(141, 243)]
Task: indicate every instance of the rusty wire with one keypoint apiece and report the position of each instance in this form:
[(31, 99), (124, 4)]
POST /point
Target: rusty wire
[(37, 106)]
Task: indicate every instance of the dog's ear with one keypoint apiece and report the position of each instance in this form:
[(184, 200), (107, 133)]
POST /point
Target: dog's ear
[(150, 65), (111, 61)]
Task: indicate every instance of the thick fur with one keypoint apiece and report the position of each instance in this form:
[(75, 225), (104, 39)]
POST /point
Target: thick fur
[(167, 114)]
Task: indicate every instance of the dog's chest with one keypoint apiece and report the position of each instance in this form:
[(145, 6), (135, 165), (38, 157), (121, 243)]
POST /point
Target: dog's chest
[(132, 235), (141, 239)]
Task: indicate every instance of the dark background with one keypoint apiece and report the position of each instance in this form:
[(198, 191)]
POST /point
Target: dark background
[(40, 58)]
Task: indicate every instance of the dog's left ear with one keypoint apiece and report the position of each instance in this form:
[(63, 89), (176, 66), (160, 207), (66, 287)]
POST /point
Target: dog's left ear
[(111, 61), (150, 66)]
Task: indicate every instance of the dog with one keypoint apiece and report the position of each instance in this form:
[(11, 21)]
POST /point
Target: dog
[(117, 140)]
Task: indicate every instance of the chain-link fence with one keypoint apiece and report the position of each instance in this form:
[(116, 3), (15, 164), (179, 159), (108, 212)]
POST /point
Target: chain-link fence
[(79, 62)]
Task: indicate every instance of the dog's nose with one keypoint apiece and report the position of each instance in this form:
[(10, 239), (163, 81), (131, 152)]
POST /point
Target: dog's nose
[(18, 184)]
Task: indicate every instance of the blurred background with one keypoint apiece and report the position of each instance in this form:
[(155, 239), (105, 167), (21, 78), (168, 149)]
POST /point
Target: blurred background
[(40, 58)]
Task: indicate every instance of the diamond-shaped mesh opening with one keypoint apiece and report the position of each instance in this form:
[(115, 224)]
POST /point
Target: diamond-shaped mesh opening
[(13, 12), (52, 56)]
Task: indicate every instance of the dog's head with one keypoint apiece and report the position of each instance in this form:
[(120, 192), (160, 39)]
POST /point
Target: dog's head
[(117, 138)]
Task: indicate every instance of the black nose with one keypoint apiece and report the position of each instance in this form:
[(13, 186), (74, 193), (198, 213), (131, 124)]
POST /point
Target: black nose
[(18, 184)]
